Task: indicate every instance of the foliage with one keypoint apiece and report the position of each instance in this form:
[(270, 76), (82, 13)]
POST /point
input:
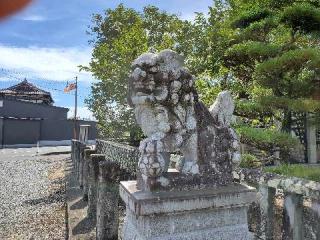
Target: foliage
[(208, 91), (247, 17), (120, 36), (263, 37), (248, 53), (257, 31), (266, 139), (275, 46), (265, 51), (294, 170), (302, 17), (252, 109), (297, 105), (292, 74), (249, 161)]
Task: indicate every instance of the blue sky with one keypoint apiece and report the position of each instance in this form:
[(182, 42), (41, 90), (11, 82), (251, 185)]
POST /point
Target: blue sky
[(47, 41)]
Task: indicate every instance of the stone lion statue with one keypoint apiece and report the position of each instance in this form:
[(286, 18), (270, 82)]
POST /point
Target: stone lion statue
[(166, 105)]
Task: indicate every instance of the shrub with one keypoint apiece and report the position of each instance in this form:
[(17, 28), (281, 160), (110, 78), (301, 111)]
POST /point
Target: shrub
[(249, 161), (252, 109), (266, 139)]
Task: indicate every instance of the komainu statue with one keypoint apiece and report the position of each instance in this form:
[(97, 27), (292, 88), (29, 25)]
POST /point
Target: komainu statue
[(166, 105)]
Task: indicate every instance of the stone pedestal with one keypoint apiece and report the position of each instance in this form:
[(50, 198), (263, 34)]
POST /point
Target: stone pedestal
[(206, 214)]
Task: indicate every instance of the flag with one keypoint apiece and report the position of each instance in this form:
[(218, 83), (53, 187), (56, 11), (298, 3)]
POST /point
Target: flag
[(70, 87)]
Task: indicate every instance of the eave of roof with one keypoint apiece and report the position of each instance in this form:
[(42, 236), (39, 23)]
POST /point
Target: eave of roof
[(26, 88)]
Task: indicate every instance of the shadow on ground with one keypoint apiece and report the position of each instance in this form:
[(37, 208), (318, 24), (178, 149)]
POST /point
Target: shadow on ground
[(86, 225), (80, 204)]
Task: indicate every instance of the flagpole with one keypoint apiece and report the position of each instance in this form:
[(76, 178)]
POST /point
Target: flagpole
[(75, 109)]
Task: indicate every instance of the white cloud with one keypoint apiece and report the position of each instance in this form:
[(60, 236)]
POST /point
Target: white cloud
[(58, 64), (33, 18), (82, 113)]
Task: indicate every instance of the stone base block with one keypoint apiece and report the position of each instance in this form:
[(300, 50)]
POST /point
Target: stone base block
[(206, 214)]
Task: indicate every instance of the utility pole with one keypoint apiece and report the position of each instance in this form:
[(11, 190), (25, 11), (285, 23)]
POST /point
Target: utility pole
[(75, 109)]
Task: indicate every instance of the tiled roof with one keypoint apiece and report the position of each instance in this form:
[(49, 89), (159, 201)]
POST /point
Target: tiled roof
[(24, 88), (27, 90)]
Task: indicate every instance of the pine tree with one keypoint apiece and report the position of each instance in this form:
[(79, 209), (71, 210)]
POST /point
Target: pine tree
[(275, 54)]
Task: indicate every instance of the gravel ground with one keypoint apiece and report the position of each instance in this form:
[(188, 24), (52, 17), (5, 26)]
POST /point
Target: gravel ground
[(32, 193)]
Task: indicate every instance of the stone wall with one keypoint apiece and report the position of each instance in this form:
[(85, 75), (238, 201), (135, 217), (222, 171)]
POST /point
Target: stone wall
[(287, 207), (99, 170), (126, 156)]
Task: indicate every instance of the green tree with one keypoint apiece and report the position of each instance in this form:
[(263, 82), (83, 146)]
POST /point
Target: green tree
[(119, 36), (275, 52), (122, 34)]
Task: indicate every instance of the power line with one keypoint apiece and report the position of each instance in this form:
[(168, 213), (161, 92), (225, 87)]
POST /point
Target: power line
[(41, 84), (10, 73)]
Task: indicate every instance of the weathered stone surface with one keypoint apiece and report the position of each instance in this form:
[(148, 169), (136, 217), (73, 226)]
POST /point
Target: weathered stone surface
[(107, 203), (300, 209), (218, 213), (93, 184), (266, 224), (166, 106), (223, 108), (293, 185), (83, 147), (198, 200), (78, 147), (126, 156), (85, 172), (293, 217)]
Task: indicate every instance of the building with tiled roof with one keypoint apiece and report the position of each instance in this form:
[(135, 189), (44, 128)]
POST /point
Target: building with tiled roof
[(27, 92), (29, 118)]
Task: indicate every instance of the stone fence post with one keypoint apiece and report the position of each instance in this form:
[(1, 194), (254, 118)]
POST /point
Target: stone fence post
[(266, 223), (315, 205), (72, 150), (76, 156), (107, 203), (93, 184), (78, 159), (293, 217), (83, 147), (85, 172)]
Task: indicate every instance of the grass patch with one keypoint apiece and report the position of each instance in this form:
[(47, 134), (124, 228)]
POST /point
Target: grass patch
[(249, 161), (295, 170)]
